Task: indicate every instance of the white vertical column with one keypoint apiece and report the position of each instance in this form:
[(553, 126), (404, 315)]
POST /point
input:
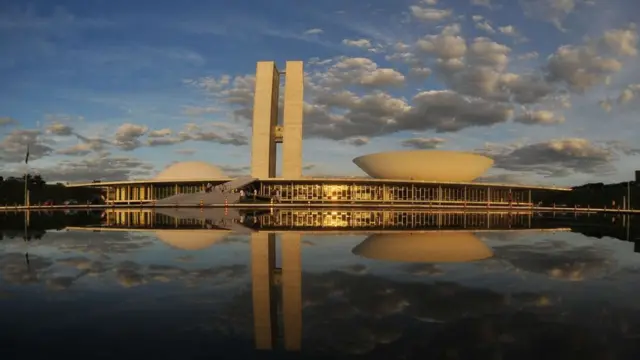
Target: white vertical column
[(292, 290), (293, 117), (264, 307)]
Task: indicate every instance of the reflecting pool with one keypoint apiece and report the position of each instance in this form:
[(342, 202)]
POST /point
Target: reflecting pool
[(192, 284)]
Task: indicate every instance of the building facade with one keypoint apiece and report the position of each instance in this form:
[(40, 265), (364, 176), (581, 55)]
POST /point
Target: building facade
[(410, 177)]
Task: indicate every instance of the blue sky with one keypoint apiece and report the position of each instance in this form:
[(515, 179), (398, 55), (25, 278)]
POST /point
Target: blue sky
[(121, 89)]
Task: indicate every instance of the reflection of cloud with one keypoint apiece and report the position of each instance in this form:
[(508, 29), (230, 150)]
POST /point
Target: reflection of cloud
[(129, 274), (20, 234), (60, 283), (14, 268), (365, 314), (366, 311), (559, 260), (429, 247), (100, 243), (423, 269), (87, 266), (522, 336), (355, 269)]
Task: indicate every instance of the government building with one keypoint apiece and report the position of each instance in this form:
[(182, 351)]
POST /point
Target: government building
[(418, 177)]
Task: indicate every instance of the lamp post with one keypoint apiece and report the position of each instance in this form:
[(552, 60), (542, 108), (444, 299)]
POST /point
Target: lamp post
[(26, 189), (628, 195), (26, 178)]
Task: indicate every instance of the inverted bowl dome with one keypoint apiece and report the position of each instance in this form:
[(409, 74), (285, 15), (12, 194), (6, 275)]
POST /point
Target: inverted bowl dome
[(191, 240), (430, 247), (427, 165)]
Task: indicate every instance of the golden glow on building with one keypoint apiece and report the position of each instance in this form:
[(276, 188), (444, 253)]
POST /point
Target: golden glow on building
[(326, 220)]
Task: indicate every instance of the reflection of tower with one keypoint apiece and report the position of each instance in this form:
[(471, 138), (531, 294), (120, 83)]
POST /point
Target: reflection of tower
[(265, 294), (266, 132)]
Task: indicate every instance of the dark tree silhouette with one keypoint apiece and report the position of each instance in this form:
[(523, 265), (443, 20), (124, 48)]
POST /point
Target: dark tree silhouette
[(39, 181)]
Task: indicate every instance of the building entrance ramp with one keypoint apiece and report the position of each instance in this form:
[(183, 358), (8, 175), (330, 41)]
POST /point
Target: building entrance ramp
[(239, 182), (216, 197), (219, 195)]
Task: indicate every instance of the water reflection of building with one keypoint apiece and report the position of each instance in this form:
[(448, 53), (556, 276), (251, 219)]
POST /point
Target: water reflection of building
[(276, 289), (429, 247), (368, 221), (325, 220), (389, 220), (150, 218)]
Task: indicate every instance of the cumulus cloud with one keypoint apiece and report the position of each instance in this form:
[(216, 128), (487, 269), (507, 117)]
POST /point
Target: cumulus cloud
[(540, 117), (128, 136), (97, 167), (585, 66), (59, 129), (354, 99), (54, 140), (485, 3), (359, 43), (482, 92), (358, 141), (423, 143), (13, 147), (559, 260), (430, 14), (194, 132), (628, 94), (558, 157), (553, 11)]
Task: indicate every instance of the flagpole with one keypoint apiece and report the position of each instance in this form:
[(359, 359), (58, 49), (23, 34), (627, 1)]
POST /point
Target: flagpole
[(26, 175)]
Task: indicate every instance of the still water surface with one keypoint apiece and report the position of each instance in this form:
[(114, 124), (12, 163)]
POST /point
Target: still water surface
[(200, 290)]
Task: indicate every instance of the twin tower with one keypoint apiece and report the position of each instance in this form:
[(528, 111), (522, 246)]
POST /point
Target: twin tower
[(267, 133)]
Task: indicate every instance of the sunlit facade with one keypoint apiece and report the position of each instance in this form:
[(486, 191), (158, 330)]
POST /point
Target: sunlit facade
[(328, 220), (136, 192), (338, 191), (415, 177)]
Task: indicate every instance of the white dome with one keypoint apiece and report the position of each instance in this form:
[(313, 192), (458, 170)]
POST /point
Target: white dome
[(189, 170)]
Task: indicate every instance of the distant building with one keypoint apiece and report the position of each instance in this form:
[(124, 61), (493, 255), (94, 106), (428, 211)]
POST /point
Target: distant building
[(444, 178)]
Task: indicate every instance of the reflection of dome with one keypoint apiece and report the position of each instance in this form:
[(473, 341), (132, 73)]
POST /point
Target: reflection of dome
[(191, 170), (432, 247), (189, 239), (428, 165)]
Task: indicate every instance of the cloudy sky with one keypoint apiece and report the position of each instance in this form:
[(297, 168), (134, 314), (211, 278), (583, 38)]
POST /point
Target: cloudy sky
[(120, 89)]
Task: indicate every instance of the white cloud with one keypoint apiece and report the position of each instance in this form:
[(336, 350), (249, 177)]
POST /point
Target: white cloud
[(314, 31), (420, 69), (360, 43), (430, 14)]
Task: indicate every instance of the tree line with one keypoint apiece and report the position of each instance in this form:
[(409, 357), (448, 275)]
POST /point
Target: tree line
[(12, 191), (35, 181)]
